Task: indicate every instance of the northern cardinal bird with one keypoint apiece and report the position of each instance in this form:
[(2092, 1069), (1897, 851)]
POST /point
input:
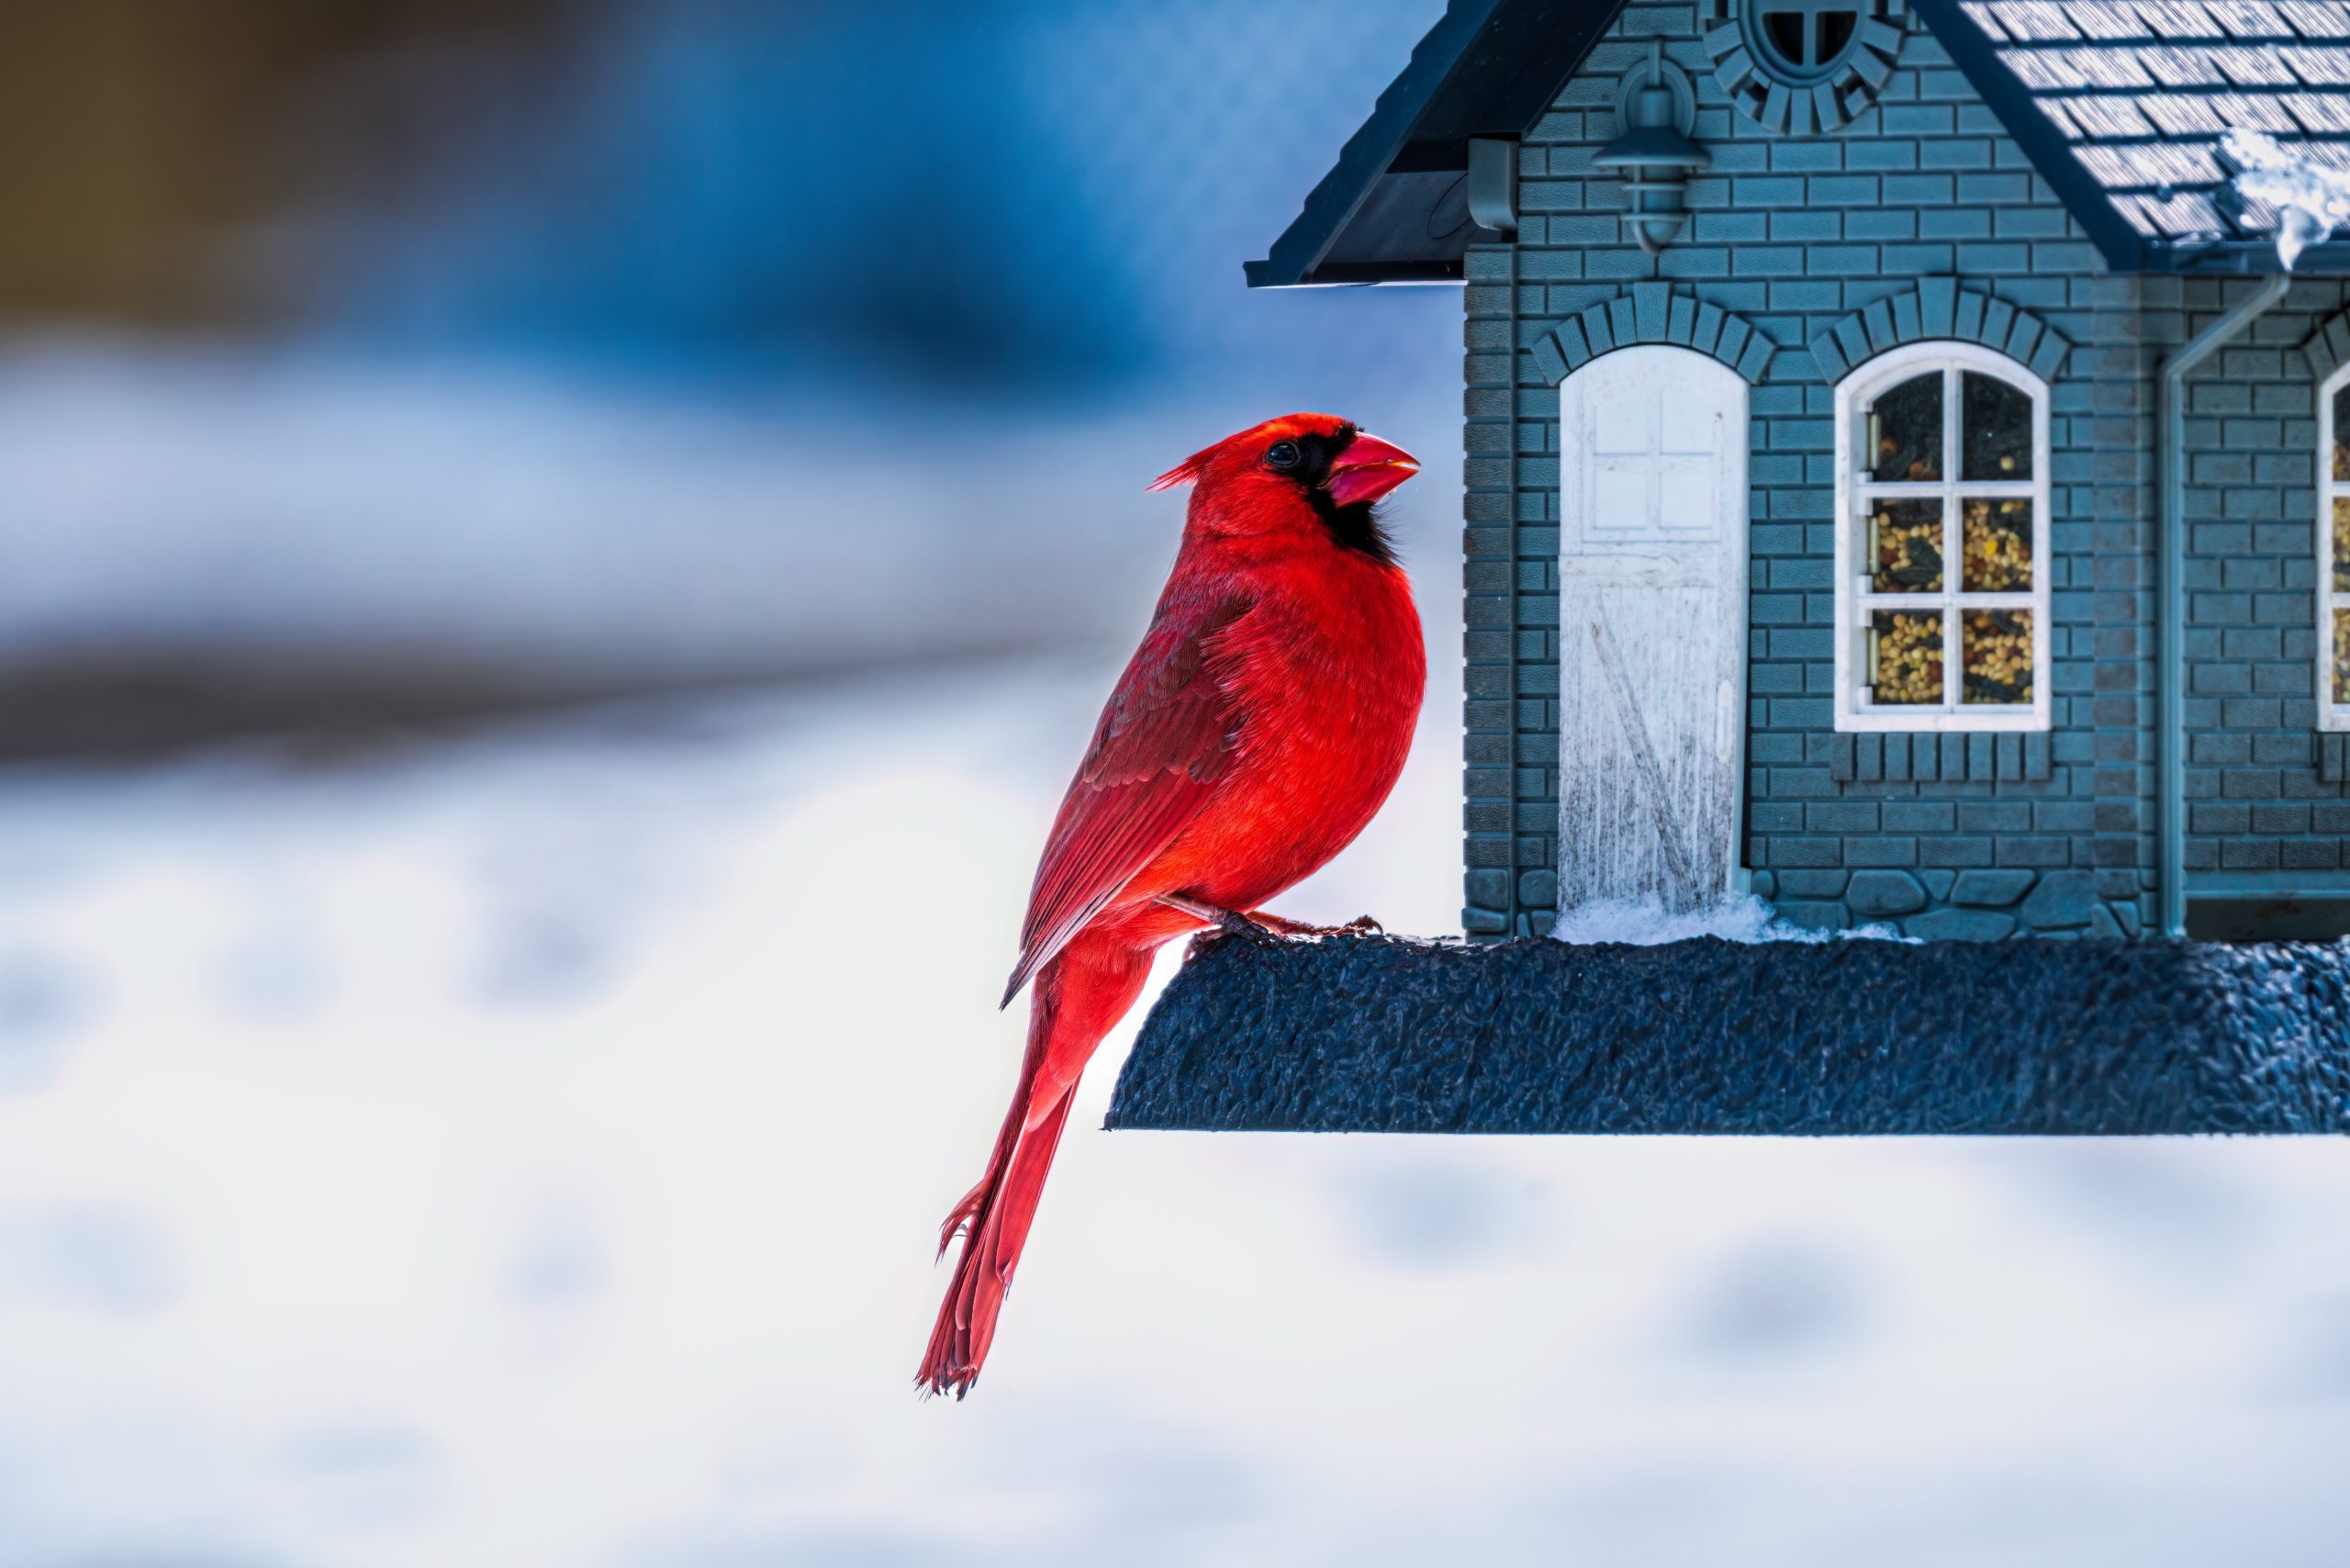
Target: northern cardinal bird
[(1256, 731)]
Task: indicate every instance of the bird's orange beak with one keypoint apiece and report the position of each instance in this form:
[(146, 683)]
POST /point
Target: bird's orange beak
[(1368, 468)]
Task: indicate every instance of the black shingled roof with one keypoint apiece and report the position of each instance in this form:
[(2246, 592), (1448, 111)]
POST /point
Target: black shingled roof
[(2119, 103)]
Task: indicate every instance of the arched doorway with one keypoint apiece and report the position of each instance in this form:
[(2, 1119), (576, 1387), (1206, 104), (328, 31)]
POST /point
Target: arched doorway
[(1652, 626)]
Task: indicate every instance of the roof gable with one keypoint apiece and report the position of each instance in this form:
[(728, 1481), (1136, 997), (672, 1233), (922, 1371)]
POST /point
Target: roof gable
[(2118, 104)]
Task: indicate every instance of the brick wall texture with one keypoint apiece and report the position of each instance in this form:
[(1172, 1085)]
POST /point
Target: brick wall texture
[(1792, 234)]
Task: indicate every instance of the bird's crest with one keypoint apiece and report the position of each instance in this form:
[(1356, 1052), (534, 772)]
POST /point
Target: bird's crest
[(1185, 472)]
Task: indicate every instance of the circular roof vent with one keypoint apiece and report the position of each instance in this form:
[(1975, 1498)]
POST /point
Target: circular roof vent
[(1804, 65)]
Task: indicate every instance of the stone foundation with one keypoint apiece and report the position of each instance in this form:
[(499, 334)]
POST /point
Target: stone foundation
[(1983, 905)]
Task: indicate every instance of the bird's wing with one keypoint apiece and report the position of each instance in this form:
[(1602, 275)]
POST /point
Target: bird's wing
[(1169, 731)]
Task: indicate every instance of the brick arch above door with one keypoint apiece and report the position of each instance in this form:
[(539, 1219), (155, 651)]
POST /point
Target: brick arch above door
[(1651, 313)]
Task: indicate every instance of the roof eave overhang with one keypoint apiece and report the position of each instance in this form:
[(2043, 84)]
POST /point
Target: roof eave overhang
[(1353, 274), (1487, 68), (2246, 258)]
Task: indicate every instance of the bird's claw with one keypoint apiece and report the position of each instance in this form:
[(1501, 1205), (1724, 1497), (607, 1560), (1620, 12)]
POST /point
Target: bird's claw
[(1223, 922), (1362, 924), (1241, 928), (1261, 928)]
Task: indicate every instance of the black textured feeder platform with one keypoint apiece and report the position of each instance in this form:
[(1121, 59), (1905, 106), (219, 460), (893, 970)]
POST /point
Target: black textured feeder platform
[(1380, 1034)]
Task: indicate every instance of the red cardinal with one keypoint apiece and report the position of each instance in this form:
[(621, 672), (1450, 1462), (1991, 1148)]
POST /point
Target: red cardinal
[(1256, 731)]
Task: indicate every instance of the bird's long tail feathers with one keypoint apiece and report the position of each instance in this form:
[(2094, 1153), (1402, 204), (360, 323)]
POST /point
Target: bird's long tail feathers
[(1079, 996)]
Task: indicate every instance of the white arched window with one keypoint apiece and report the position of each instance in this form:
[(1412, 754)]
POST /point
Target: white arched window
[(2334, 551), (1941, 543)]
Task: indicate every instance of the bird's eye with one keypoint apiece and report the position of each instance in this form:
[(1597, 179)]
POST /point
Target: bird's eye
[(1282, 454)]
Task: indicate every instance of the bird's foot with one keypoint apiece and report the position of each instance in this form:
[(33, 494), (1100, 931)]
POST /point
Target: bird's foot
[(1262, 926), (1228, 922), (1360, 925)]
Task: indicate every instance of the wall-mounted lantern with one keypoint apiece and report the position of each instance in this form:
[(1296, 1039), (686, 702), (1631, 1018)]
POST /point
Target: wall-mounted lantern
[(1658, 109)]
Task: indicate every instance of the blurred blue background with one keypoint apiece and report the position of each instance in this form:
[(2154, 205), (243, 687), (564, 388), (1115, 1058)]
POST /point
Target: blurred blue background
[(555, 558), (1048, 197), (495, 354)]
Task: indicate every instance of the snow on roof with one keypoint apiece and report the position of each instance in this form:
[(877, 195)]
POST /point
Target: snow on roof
[(2140, 92)]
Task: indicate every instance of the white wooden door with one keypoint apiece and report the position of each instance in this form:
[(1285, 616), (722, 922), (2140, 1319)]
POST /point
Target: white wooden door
[(1653, 548)]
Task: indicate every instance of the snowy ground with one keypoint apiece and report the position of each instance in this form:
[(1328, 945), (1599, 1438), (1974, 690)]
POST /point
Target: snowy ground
[(526, 1150)]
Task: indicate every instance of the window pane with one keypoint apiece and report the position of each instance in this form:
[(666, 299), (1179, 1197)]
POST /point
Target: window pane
[(2342, 655), (1908, 557), (1996, 654), (1906, 430), (1994, 424), (2341, 433), (2341, 542), (1905, 659), (1997, 542)]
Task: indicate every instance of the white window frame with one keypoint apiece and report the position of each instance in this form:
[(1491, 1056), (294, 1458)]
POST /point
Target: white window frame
[(2330, 715), (1855, 492)]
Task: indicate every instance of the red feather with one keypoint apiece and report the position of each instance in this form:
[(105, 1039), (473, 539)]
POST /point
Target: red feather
[(1167, 733)]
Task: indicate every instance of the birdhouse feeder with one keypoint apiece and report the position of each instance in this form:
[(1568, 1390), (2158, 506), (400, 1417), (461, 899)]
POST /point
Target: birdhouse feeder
[(1903, 489)]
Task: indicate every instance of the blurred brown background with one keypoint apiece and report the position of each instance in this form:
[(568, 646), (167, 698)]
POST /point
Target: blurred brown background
[(145, 145)]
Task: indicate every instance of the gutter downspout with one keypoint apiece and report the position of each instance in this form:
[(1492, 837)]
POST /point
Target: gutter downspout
[(2173, 634)]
